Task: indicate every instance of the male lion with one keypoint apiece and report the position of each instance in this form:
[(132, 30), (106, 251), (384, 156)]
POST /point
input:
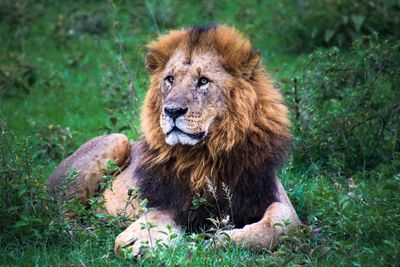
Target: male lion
[(214, 125)]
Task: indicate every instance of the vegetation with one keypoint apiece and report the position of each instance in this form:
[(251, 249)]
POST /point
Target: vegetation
[(72, 71), (347, 108), (313, 23)]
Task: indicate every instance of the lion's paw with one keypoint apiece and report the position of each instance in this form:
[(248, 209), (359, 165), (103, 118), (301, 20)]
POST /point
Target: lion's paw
[(140, 236), (252, 236), (230, 236), (137, 238)]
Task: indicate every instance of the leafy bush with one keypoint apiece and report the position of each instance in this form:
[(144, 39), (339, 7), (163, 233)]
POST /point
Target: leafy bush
[(30, 214), (17, 76), (54, 142), (313, 23), (121, 100), (348, 108), (25, 209), (16, 16), (78, 22)]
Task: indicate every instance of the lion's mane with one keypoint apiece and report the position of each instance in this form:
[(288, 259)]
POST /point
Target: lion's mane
[(241, 152)]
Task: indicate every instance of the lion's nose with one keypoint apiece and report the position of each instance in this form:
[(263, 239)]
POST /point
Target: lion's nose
[(174, 113)]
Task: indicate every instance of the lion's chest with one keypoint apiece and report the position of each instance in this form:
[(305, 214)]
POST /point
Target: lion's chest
[(244, 203)]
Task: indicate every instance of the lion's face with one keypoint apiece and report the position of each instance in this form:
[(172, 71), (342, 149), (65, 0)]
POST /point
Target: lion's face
[(192, 96)]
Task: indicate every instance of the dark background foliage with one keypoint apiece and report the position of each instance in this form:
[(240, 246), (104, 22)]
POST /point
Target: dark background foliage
[(347, 109), (310, 24)]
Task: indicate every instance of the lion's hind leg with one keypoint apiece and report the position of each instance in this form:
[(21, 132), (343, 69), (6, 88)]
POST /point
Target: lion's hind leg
[(79, 175), (122, 197)]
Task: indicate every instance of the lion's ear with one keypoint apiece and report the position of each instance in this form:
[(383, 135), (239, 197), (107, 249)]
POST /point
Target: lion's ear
[(151, 62), (251, 64)]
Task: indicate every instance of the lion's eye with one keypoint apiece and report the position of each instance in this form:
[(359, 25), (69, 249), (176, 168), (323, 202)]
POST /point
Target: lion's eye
[(170, 79), (203, 81)]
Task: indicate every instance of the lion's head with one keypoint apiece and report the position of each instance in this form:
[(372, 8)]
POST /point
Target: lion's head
[(209, 99)]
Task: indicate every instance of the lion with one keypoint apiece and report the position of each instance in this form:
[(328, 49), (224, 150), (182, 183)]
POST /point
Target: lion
[(214, 126)]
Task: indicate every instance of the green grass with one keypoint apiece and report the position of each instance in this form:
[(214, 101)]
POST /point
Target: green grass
[(356, 221)]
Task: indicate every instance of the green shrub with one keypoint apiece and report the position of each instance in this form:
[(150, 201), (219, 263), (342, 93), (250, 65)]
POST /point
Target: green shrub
[(26, 208), (54, 142), (17, 76), (348, 108), (121, 100), (29, 213), (16, 16), (314, 23), (75, 23)]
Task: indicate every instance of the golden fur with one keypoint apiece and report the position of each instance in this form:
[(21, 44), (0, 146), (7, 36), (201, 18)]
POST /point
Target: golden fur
[(254, 123)]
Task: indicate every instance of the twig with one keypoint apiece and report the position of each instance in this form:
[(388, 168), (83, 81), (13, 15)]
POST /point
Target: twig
[(296, 99), (153, 18), (148, 231)]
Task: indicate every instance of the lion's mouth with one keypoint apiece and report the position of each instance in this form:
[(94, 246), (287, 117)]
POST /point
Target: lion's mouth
[(196, 136)]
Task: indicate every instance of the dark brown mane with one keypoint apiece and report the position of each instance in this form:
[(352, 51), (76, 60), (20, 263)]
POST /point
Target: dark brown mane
[(243, 150)]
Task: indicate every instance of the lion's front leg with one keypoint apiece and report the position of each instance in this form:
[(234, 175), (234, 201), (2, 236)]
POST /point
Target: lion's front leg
[(265, 233), (151, 229), (279, 218)]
